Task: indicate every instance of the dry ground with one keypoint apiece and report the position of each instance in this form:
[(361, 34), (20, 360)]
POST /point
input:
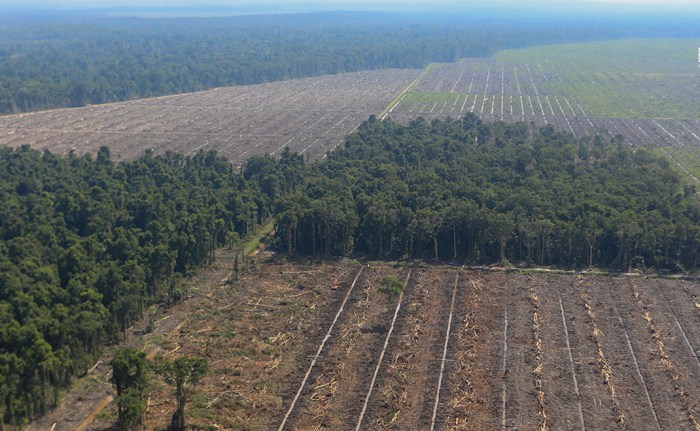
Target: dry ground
[(310, 116), (530, 352)]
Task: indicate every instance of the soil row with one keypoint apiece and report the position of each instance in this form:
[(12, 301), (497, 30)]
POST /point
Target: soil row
[(300, 347)]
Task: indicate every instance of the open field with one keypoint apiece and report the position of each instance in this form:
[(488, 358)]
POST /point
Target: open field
[(633, 79), (496, 91), (645, 90), (313, 347), (644, 78), (310, 116)]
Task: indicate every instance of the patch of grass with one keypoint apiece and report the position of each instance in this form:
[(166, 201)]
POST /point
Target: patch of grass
[(391, 285), (222, 334), (248, 353), (260, 235)]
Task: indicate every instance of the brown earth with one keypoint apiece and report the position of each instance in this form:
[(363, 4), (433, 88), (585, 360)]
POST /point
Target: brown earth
[(262, 332), (311, 116)]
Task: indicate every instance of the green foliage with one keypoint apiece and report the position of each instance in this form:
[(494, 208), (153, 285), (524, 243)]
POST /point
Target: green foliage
[(499, 193), (129, 375), (86, 246), (129, 369), (391, 285), (183, 372), (131, 406)]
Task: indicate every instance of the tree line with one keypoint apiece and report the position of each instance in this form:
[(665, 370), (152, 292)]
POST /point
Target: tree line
[(68, 61), (463, 190)]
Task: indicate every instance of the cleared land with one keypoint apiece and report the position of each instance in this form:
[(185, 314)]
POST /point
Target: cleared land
[(310, 116), (645, 90), (313, 347)]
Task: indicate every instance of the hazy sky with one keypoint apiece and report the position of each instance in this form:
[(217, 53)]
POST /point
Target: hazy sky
[(351, 4), (110, 3)]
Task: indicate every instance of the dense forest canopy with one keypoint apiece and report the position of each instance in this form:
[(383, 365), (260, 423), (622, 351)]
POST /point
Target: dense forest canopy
[(62, 59), (468, 191), (87, 244)]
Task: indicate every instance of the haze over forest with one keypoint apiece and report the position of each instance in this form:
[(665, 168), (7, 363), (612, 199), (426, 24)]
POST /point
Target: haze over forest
[(277, 6)]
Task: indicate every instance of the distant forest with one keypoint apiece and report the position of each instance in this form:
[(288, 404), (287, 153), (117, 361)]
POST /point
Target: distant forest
[(68, 60), (86, 244)]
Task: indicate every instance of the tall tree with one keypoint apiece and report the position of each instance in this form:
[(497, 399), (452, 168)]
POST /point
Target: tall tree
[(183, 372), (130, 376)]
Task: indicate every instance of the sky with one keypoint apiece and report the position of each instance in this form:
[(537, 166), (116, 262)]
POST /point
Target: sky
[(234, 3), (347, 4)]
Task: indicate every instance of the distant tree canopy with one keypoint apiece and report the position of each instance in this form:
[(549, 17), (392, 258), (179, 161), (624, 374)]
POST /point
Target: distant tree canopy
[(468, 191), (74, 60)]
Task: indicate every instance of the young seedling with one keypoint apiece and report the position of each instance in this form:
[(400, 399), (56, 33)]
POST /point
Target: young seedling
[(391, 285)]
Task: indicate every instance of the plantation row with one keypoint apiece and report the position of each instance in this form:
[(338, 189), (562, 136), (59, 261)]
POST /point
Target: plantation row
[(614, 89), (465, 350), (505, 92), (337, 346)]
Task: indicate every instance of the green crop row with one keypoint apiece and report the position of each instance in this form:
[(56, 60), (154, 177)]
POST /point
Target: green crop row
[(626, 79)]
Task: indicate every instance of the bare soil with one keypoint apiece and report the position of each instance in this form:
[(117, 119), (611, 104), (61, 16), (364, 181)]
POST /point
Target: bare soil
[(310, 116), (628, 345)]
